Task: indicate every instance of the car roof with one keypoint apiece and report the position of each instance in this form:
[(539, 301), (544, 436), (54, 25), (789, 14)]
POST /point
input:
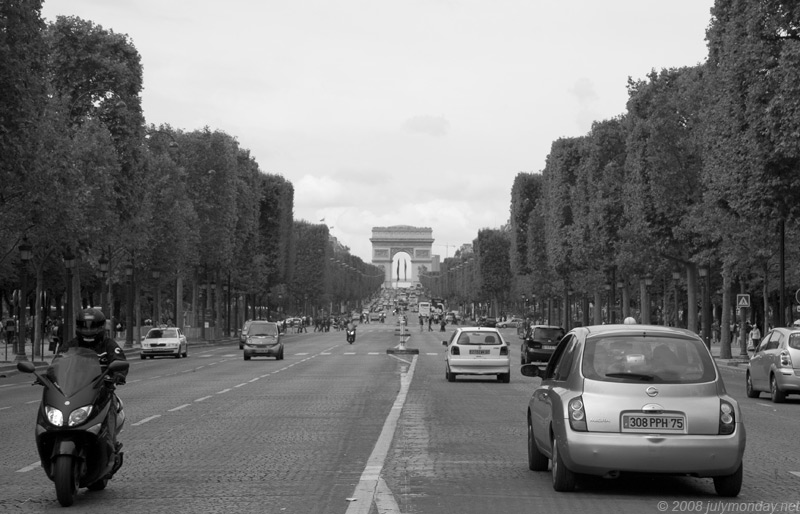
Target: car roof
[(622, 329)]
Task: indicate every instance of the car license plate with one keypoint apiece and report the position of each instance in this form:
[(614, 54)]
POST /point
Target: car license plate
[(262, 350), (479, 352), (548, 347), (645, 423)]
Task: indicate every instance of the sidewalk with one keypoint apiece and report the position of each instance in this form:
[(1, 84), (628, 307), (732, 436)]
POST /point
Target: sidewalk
[(8, 365)]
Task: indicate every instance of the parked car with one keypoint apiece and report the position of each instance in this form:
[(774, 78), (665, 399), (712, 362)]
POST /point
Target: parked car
[(477, 351), (243, 333), (512, 322), (169, 341), (634, 398), (775, 365), (539, 342), (263, 340)]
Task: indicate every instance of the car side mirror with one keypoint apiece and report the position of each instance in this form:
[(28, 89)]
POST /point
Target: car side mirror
[(26, 367), (118, 366), (532, 370), (444, 343)]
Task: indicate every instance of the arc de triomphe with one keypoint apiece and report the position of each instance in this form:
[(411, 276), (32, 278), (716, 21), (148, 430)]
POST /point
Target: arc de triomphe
[(387, 242)]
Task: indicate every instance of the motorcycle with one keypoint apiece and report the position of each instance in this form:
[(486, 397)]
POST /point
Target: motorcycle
[(351, 334), (77, 424)]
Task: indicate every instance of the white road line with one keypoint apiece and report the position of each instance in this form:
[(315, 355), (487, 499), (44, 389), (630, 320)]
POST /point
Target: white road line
[(432, 353), (34, 401), (203, 398), (325, 353), (4, 408), (795, 473), (224, 391), (240, 385), (349, 353), (30, 467), (179, 407), (369, 483), (373, 353), (254, 379), (145, 420), (301, 353)]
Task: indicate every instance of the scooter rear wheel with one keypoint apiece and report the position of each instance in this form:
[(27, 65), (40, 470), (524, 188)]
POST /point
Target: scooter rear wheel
[(66, 479)]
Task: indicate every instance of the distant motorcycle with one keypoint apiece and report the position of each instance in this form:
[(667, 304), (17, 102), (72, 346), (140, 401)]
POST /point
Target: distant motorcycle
[(351, 334), (75, 421)]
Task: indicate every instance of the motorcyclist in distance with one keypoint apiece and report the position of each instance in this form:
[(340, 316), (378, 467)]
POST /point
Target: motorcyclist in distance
[(90, 333)]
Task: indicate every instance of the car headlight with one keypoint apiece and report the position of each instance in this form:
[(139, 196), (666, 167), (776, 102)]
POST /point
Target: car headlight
[(54, 416)]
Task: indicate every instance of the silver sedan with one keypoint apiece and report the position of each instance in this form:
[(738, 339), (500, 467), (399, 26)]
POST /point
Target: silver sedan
[(634, 398)]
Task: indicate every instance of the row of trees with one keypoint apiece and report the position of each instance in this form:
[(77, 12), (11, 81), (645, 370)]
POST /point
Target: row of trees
[(130, 207), (700, 178)]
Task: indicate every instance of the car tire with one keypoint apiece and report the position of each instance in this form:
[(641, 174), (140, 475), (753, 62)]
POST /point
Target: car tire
[(536, 460), (563, 478), (729, 485), (143, 357), (280, 355), (185, 351), (522, 359), (504, 378), (778, 396), (450, 376), (178, 355), (241, 346), (247, 357), (751, 393)]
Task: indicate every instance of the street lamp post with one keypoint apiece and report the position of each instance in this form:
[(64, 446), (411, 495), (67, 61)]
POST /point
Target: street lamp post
[(24, 257), (705, 311), (69, 308), (676, 276), (156, 298), (129, 310)]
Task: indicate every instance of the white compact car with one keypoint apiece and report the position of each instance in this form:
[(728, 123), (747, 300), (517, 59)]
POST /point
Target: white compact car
[(169, 341), (477, 351)]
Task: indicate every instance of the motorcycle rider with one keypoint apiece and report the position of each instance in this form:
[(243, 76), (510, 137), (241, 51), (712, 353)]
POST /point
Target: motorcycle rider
[(91, 334)]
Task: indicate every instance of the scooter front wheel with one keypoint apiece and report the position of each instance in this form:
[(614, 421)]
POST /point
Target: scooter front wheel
[(66, 479)]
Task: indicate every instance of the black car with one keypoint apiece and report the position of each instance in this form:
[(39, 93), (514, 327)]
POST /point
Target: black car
[(485, 321), (538, 342)]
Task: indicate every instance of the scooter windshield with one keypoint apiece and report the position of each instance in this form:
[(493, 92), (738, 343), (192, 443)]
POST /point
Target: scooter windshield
[(75, 369)]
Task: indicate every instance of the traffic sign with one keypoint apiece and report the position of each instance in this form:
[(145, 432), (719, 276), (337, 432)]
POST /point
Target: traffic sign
[(742, 300)]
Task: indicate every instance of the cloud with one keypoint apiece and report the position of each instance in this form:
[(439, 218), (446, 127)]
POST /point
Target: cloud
[(432, 125)]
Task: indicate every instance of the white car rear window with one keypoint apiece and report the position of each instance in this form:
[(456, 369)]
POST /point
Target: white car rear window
[(479, 338)]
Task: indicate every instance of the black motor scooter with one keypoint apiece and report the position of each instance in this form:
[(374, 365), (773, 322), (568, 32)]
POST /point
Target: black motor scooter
[(351, 334), (76, 426)]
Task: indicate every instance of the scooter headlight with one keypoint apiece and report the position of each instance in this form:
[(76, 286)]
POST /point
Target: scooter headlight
[(54, 416), (79, 416)]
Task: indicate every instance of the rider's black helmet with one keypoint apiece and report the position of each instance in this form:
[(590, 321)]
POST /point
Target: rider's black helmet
[(90, 323)]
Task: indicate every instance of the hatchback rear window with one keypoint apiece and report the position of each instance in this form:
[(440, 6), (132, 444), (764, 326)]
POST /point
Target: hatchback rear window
[(548, 334), (263, 330), (640, 359), (479, 338)]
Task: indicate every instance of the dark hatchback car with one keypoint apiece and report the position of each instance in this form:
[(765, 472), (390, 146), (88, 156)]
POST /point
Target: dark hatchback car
[(538, 342), (485, 321)]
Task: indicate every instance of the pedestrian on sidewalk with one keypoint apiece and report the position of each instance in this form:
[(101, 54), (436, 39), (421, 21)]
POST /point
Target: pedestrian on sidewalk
[(755, 337)]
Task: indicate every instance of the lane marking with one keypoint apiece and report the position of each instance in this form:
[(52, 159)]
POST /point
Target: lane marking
[(30, 467), (203, 398), (795, 473), (367, 487), (34, 401), (145, 420), (224, 391), (179, 407), (240, 385)]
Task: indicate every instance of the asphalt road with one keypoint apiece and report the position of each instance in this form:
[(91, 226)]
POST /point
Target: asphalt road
[(346, 429)]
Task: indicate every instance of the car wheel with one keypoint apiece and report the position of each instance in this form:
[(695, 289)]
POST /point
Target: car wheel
[(451, 377), (778, 396), (504, 377), (143, 357), (522, 359), (536, 461), (241, 346), (751, 393), (563, 479), (185, 351), (178, 355), (247, 357), (729, 485)]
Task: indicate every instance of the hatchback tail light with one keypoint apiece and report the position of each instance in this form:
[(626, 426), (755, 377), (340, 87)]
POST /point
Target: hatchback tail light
[(504, 350), (577, 415), (727, 418), (786, 359), (454, 350)]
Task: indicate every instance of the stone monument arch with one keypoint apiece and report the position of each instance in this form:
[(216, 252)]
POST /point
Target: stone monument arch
[(401, 240)]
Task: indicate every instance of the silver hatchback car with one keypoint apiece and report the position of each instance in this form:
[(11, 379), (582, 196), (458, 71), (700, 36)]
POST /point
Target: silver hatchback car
[(775, 366), (634, 398)]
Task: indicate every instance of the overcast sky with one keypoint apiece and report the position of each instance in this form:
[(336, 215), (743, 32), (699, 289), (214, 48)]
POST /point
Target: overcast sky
[(397, 112)]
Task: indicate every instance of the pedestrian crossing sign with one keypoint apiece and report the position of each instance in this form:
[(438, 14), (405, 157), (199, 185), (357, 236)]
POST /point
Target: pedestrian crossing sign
[(742, 300)]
